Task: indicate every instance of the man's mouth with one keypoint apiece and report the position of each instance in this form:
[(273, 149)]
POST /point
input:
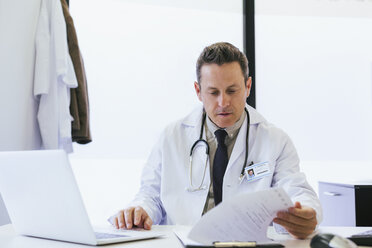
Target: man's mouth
[(224, 114)]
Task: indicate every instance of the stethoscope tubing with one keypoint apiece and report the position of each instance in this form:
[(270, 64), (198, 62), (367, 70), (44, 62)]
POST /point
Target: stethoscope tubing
[(192, 189)]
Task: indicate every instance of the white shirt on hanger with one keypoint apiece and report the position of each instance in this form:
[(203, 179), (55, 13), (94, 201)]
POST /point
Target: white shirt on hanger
[(54, 76)]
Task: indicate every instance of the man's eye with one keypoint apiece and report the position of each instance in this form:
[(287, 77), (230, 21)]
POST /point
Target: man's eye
[(214, 93), (231, 91)]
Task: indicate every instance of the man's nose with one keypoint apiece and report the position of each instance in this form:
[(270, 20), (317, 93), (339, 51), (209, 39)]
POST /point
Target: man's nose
[(223, 100)]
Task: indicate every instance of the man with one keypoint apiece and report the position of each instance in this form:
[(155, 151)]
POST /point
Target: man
[(175, 192)]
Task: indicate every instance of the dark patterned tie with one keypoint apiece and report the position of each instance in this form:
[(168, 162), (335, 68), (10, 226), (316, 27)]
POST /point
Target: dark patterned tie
[(219, 165)]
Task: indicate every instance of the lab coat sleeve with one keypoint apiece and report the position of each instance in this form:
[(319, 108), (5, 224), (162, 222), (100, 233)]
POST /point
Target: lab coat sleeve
[(287, 175), (148, 196)]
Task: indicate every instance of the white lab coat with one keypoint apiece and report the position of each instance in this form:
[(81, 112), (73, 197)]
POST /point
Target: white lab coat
[(165, 176), (53, 78)]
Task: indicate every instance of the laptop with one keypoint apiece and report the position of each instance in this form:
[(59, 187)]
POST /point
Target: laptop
[(43, 200)]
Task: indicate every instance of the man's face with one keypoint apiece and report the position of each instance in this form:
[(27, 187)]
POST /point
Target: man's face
[(223, 92), (250, 172)]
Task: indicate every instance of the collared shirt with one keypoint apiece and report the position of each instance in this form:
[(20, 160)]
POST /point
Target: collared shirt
[(232, 133)]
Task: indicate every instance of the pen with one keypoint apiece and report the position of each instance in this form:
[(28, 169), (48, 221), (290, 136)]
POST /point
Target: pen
[(236, 244)]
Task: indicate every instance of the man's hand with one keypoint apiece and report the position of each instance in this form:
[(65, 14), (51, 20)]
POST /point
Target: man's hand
[(299, 221), (132, 217)]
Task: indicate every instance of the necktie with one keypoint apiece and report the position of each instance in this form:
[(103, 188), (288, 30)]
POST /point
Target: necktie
[(219, 165)]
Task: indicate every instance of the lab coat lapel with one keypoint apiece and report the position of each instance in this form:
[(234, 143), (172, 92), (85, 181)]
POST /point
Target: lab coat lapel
[(238, 152), (192, 124)]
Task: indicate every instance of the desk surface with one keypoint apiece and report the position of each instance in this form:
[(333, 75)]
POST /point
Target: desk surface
[(9, 239)]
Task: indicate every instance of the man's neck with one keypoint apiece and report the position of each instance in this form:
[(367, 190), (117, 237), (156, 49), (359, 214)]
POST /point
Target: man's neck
[(231, 130)]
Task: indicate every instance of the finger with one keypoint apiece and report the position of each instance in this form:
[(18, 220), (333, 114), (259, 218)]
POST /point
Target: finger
[(144, 217), (296, 220), (116, 222), (138, 216), (298, 235), (293, 227), (304, 212), (121, 219), (298, 205), (128, 217), (148, 223)]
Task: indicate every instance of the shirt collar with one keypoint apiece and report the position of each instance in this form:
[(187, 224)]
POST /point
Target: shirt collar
[(232, 131)]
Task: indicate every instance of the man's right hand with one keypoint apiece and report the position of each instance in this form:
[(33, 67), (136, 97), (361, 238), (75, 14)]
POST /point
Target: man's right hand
[(132, 217)]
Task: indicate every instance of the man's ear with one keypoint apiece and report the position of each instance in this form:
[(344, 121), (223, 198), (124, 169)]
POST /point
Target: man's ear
[(197, 90), (248, 86)]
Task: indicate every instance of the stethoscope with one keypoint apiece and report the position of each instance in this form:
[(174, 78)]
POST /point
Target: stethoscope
[(191, 187)]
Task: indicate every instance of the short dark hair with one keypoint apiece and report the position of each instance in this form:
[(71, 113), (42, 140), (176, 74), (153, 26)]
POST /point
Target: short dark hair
[(221, 53)]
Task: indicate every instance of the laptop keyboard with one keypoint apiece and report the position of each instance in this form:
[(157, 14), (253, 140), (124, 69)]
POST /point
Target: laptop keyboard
[(108, 235)]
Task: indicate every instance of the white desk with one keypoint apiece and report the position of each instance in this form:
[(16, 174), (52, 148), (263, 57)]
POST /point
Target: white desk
[(9, 239)]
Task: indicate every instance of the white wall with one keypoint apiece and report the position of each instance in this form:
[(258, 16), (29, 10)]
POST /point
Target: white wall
[(314, 75), (140, 60), (18, 126), (314, 80), (314, 71), (18, 129)]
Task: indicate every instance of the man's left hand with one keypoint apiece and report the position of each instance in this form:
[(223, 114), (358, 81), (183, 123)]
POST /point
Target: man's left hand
[(299, 221)]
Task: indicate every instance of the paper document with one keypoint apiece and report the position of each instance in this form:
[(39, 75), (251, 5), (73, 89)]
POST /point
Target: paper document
[(244, 217), (182, 232)]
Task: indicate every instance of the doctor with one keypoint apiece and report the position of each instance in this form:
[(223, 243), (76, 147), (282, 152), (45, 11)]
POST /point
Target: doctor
[(224, 137)]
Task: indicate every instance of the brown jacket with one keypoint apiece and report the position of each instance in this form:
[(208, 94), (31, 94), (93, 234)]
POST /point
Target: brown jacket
[(79, 106)]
